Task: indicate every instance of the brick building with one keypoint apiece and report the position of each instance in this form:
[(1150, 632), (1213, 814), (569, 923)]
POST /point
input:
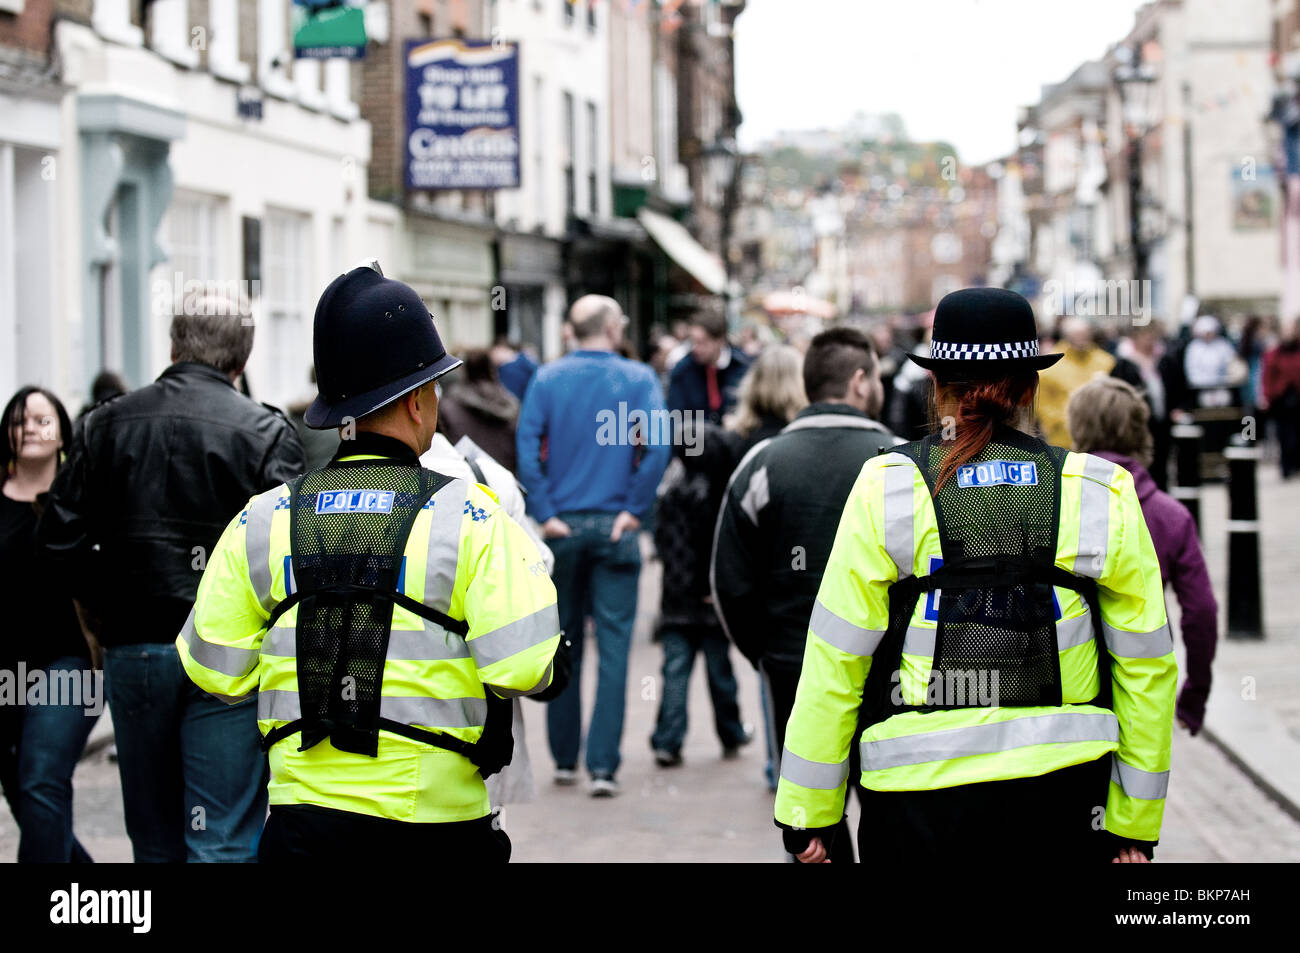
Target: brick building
[(441, 243)]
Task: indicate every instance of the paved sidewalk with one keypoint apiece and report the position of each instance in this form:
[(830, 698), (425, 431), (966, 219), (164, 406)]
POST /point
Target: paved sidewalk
[(709, 809), (1254, 706)]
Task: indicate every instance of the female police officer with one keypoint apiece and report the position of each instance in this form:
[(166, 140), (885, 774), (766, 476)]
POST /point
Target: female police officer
[(991, 627)]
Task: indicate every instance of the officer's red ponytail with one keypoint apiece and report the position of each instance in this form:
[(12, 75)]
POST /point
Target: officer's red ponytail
[(970, 410)]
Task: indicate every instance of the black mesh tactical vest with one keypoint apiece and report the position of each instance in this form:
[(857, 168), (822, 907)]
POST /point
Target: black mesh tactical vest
[(991, 598), (349, 524)]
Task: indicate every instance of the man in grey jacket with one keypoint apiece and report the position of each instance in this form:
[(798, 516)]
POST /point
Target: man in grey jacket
[(779, 517)]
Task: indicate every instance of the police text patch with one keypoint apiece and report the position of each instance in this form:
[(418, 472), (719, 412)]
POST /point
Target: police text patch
[(998, 473), (354, 501)]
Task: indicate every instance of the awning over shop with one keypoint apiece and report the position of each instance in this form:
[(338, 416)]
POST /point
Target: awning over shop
[(679, 245)]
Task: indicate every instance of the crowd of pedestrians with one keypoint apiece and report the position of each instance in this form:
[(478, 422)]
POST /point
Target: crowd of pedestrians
[(729, 464)]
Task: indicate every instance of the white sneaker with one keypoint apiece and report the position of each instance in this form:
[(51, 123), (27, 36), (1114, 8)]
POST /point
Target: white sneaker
[(604, 787), (566, 776)]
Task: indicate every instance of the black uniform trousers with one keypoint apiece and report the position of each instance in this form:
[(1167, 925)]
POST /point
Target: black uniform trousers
[(304, 833), (1057, 817)]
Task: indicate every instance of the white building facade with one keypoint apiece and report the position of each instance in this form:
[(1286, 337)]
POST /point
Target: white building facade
[(164, 188), (31, 225), (1210, 208)]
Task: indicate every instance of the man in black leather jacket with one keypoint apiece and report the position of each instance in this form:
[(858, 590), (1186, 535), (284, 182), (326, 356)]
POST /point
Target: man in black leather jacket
[(150, 483)]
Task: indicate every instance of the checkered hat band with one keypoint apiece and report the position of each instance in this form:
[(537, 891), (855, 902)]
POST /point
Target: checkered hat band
[(983, 352)]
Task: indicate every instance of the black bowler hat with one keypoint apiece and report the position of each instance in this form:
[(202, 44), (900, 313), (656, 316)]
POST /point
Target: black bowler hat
[(374, 341), (986, 332)]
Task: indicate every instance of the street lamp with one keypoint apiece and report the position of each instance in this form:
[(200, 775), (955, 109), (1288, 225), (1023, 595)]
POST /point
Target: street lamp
[(725, 163), (1134, 79), (722, 157)]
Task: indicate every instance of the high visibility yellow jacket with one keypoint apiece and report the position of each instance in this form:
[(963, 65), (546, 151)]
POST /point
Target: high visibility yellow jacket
[(889, 531), (464, 557)]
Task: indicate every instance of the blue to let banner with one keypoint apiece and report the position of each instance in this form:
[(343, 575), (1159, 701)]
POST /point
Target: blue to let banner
[(462, 114)]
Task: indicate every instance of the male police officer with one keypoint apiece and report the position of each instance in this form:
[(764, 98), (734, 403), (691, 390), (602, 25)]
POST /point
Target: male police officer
[(380, 610)]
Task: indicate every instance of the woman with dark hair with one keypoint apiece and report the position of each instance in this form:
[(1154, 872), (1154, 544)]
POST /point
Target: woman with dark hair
[(476, 405), (990, 630), (55, 692)]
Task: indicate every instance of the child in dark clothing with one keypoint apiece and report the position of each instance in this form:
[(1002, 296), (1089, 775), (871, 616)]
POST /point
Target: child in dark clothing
[(685, 514)]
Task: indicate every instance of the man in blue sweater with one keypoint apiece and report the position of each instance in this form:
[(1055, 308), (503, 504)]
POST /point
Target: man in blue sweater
[(593, 440)]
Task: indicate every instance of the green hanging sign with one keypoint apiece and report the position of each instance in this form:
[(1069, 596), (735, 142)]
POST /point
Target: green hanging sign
[(328, 29)]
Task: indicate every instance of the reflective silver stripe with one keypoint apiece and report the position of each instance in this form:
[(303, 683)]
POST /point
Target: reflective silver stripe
[(1094, 517), (436, 712), (444, 545), (920, 640), (277, 705), (813, 774), (432, 643), (517, 636), (1098, 468), (542, 684), (1075, 631), (226, 659), (257, 544), (283, 705), (842, 634), (990, 738), (1145, 785), (756, 495), (899, 507), (1156, 644), (280, 641)]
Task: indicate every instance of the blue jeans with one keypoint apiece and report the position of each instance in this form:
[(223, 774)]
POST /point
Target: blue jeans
[(53, 736), (193, 773), (681, 643), (591, 571)]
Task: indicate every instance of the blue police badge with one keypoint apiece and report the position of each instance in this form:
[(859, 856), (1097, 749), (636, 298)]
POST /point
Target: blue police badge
[(354, 501), (997, 473)]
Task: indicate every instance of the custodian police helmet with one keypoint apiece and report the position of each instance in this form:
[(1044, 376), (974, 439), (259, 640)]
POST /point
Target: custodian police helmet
[(374, 340)]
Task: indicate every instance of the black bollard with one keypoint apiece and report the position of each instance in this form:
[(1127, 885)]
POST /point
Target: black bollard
[(1245, 608), (1187, 452)]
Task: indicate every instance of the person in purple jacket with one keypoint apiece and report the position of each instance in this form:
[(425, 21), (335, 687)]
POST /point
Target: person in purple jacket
[(1108, 417)]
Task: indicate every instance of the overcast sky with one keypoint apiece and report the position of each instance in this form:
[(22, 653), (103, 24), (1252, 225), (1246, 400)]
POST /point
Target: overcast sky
[(953, 69)]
